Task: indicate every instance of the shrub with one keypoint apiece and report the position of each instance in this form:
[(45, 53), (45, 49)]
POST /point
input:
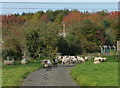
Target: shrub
[(11, 54)]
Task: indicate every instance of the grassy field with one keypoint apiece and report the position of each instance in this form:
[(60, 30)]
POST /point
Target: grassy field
[(89, 74), (14, 75), (0, 76)]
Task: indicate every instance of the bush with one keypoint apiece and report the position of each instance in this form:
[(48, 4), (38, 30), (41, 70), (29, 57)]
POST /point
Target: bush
[(11, 54), (17, 62)]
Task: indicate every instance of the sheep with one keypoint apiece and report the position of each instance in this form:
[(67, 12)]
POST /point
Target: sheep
[(99, 59), (60, 58), (73, 59), (43, 62), (65, 60), (87, 58), (55, 61), (24, 61), (104, 59), (48, 65), (80, 59), (97, 62), (6, 62)]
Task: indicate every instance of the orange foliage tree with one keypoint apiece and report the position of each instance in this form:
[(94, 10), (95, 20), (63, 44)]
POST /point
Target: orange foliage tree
[(72, 17), (114, 14), (44, 18)]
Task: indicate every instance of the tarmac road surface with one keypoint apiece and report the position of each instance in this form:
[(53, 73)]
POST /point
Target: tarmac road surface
[(58, 76)]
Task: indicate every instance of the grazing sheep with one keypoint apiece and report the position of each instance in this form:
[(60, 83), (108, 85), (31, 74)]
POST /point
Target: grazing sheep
[(104, 59), (87, 58), (99, 59), (97, 62), (6, 62), (24, 61), (80, 59)]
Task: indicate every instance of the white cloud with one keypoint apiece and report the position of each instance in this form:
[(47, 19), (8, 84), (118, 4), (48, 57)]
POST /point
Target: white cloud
[(60, 0)]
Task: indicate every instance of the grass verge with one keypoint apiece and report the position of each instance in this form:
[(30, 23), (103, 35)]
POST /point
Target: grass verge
[(14, 75), (89, 74)]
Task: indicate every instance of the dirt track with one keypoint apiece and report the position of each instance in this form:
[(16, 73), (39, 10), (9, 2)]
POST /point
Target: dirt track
[(59, 76)]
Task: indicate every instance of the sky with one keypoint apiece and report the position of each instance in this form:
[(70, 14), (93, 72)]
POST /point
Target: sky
[(60, 0), (7, 6)]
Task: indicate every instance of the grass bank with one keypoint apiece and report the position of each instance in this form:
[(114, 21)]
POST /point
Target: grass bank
[(89, 74), (14, 75)]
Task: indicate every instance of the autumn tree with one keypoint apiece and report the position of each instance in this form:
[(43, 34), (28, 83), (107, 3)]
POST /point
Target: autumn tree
[(72, 17)]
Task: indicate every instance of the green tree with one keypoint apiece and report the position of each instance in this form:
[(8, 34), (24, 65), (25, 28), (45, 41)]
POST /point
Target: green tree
[(84, 35), (42, 39)]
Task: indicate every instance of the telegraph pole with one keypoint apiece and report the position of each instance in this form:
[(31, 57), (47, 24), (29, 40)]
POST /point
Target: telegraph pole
[(64, 31)]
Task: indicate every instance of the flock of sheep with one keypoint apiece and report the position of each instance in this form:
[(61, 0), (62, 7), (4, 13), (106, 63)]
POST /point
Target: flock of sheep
[(78, 59), (63, 59), (71, 60)]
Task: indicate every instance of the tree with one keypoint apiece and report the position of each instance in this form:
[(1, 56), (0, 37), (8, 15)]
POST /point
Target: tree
[(72, 17), (38, 33), (84, 35), (60, 15), (45, 18), (42, 39)]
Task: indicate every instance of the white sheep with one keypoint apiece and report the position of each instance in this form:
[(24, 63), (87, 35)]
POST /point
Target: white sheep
[(80, 59), (73, 59), (6, 62), (24, 61), (48, 65), (59, 58), (99, 59), (65, 60), (97, 62), (103, 59)]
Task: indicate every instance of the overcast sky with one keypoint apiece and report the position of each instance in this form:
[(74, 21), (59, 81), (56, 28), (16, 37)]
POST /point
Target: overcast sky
[(60, 0)]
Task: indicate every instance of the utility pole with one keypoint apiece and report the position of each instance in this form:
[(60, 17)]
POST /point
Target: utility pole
[(64, 31)]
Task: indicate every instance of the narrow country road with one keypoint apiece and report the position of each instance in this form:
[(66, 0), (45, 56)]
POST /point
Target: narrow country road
[(59, 76)]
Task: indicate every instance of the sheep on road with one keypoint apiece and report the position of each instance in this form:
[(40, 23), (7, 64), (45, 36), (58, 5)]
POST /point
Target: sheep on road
[(47, 64)]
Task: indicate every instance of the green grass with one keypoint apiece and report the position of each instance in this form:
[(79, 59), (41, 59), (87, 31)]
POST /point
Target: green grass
[(113, 58), (14, 75), (89, 74), (0, 76)]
